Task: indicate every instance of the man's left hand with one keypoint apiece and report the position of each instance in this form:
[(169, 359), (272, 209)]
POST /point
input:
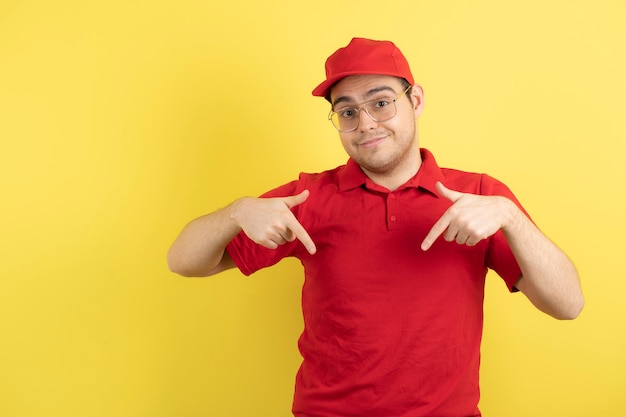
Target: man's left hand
[(470, 219)]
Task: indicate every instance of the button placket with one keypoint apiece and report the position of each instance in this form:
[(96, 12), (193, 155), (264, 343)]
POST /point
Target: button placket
[(393, 205)]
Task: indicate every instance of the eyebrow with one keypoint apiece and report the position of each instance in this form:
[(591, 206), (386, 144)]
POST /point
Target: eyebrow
[(367, 95)]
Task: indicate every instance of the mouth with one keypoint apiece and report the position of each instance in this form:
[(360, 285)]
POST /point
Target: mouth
[(371, 142)]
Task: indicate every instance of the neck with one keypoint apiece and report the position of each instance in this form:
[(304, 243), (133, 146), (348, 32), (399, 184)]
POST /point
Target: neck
[(397, 176)]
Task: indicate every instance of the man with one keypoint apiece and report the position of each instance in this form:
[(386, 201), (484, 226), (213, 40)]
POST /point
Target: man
[(395, 252)]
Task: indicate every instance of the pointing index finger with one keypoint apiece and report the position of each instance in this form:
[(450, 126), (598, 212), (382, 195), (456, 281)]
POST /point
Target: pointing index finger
[(303, 236), (438, 228)]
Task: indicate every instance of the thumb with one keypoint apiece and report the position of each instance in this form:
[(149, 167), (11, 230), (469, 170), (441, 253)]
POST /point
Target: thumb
[(448, 193), (297, 199)]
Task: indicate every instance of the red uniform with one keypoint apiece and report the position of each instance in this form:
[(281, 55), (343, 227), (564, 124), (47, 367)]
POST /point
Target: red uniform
[(389, 330)]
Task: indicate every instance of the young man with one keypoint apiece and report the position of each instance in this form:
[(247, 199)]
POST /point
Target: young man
[(395, 251)]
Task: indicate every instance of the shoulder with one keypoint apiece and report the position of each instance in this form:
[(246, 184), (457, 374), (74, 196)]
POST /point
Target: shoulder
[(459, 180), (328, 179), (474, 182), (330, 176)]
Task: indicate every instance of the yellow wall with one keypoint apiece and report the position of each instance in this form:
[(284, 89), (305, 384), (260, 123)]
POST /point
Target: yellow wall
[(122, 120)]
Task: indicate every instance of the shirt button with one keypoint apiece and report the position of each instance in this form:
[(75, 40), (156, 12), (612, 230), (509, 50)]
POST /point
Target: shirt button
[(393, 218), (393, 196)]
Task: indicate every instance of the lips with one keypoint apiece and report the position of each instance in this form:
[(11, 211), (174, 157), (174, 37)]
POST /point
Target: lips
[(371, 141)]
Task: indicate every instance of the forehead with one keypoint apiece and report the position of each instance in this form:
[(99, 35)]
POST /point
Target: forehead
[(357, 88)]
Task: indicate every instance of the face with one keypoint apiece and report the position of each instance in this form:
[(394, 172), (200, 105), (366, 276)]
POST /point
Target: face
[(388, 148)]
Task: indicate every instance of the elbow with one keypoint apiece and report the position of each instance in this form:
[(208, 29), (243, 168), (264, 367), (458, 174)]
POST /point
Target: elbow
[(577, 305), (176, 266), (183, 272), (573, 310), (578, 308)]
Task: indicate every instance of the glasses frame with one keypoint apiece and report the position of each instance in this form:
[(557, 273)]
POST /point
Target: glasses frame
[(363, 106)]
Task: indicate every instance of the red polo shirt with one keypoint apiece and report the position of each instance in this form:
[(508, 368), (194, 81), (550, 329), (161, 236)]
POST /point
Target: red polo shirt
[(389, 330)]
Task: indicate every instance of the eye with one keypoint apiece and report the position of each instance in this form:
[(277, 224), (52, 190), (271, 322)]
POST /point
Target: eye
[(347, 113), (383, 102)]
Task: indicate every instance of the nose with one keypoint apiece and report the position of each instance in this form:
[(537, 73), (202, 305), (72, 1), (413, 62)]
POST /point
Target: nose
[(366, 122)]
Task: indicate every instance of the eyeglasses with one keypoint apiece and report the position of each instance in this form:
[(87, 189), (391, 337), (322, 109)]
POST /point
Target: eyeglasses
[(380, 109)]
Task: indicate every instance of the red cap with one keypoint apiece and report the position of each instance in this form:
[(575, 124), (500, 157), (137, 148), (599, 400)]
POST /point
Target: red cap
[(364, 56)]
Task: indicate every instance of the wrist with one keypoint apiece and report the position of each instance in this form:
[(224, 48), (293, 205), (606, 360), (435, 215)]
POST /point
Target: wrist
[(237, 210), (513, 216)]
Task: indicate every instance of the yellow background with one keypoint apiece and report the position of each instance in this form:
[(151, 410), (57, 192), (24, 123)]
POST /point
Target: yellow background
[(120, 121)]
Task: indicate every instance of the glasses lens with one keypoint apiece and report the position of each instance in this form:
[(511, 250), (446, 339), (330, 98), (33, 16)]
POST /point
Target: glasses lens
[(381, 109), (345, 119)]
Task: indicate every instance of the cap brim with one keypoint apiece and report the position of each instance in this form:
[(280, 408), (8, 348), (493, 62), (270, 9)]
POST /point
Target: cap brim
[(323, 89)]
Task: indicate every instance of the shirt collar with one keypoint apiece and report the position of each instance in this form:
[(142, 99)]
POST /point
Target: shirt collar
[(352, 176)]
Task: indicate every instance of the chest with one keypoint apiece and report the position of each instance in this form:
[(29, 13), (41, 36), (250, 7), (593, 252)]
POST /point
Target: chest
[(370, 243)]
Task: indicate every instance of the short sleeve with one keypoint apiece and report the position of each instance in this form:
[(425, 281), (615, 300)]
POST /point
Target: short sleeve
[(250, 257), (500, 258)]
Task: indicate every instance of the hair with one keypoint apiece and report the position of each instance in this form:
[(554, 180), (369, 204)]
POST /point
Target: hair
[(405, 85)]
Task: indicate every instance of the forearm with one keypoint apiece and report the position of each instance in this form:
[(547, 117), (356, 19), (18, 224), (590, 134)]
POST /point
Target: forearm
[(200, 248), (549, 278)]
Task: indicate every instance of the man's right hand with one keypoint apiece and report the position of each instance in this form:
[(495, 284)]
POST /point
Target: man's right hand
[(269, 222)]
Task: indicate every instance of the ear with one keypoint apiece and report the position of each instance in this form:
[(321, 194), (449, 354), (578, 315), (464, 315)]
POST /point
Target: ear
[(417, 97)]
